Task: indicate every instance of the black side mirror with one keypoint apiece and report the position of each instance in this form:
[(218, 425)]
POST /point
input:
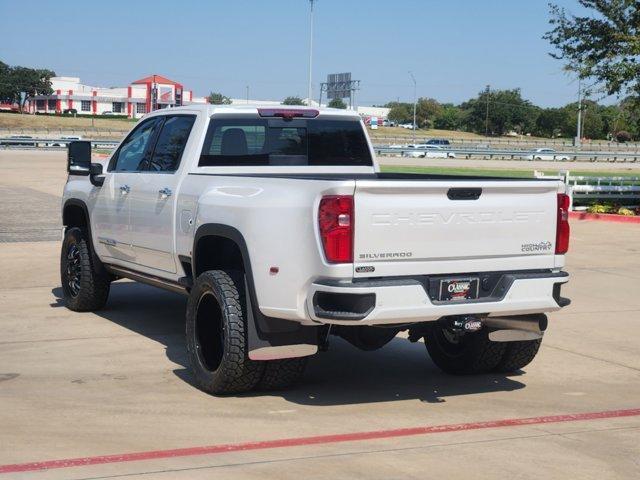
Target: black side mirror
[(79, 157), (95, 174)]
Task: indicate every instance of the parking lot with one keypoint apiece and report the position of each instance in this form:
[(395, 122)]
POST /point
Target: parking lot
[(77, 387)]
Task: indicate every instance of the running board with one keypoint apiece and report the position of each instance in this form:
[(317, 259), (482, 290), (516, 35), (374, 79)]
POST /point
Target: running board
[(147, 279)]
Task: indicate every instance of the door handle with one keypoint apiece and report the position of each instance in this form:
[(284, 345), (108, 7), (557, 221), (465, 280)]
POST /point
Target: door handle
[(165, 192), (124, 189)]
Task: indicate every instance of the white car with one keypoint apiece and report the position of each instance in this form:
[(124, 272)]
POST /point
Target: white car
[(408, 126), (423, 150), (280, 228), (546, 154), (65, 141)]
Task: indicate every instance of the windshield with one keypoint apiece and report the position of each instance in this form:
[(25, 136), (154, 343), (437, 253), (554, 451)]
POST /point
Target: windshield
[(252, 141)]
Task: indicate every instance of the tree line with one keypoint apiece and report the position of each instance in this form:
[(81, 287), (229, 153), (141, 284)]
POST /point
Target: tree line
[(498, 112), (15, 80)]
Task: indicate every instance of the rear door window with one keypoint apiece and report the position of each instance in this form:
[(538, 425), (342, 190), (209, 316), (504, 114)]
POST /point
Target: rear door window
[(254, 141), (170, 145)]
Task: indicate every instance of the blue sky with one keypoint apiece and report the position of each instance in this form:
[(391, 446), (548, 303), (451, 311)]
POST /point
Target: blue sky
[(453, 47)]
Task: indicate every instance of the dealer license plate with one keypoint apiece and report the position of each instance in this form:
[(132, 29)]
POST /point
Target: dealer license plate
[(458, 289)]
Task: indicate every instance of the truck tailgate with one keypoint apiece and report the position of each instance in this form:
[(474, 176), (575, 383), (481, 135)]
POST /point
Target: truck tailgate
[(418, 227)]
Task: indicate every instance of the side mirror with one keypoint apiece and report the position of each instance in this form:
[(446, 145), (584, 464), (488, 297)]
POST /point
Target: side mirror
[(79, 157), (95, 174)]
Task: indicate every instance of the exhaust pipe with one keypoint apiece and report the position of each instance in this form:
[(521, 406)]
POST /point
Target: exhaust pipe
[(517, 328)]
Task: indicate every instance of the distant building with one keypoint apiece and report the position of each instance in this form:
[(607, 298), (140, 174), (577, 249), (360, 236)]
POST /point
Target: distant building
[(145, 95), (149, 93)]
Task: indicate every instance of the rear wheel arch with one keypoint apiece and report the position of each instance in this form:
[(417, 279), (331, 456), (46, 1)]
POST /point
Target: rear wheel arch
[(219, 247)]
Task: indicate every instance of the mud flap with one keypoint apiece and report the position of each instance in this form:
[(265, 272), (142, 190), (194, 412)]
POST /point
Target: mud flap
[(274, 338)]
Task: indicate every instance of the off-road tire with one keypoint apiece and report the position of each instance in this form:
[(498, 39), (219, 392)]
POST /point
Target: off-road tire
[(281, 374), (474, 352), (518, 355), (217, 335), (85, 284)]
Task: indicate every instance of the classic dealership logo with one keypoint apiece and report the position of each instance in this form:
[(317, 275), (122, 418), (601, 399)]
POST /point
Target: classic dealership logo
[(460, 287)]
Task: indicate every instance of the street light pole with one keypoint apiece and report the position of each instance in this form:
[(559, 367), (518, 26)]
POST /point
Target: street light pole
[(414, 105), (310, 50), (579, 126), (486, 118)]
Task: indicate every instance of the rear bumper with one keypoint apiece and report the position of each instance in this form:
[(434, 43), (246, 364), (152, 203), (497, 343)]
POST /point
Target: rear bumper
[(408, 300)]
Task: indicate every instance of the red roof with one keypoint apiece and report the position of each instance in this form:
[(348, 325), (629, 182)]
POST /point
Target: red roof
[(156, 79)]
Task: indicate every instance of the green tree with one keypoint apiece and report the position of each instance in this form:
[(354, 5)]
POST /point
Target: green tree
[(6, 86), (400, 112), (449, 117), (593, 125), (216, 98), (293, 101), (550, 122), (507, 111), (427, 109), (603, 45), (337, 103), (32, 81)]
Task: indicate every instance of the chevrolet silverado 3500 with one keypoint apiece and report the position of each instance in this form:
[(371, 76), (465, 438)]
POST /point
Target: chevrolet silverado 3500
[(279, 226)]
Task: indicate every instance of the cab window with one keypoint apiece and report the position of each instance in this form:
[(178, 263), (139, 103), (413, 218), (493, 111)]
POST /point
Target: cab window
[(131, 155)]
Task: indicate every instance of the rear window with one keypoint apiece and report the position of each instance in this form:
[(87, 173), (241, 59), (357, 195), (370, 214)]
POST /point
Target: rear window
[(254, 141)]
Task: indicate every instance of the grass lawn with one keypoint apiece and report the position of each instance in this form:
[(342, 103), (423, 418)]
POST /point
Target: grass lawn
[(499, 172), (38, 122)]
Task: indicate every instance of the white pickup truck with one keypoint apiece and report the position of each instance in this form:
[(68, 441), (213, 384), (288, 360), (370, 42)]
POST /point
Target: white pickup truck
[(281, 229)]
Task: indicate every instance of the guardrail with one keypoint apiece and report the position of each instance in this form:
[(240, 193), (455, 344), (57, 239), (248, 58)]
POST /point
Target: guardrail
[(523, 142), (483, 153), (52, 143), (514, 154)]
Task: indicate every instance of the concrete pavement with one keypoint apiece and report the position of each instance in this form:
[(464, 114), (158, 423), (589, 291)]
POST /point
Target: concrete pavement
[(116, 382)]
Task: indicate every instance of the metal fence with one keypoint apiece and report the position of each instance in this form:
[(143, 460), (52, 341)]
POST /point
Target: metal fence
[(586, 190)]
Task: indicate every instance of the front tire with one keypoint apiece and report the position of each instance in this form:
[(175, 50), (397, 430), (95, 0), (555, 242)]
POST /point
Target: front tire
[(85, 285), (217, 336), (518, 355), (462, 354)]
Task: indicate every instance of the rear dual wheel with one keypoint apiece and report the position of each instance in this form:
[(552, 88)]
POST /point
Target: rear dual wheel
[(217, 340), (470, 353)]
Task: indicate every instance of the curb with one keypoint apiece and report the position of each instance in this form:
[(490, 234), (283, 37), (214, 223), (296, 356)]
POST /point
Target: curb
[(604, 217)]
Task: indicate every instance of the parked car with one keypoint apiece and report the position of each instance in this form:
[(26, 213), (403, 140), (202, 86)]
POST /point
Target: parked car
[(107, 113), (389, 123), (67, 138), (546, 154), (279, 227), (408, 126), (438, 141), (423, 150), (70, 111)]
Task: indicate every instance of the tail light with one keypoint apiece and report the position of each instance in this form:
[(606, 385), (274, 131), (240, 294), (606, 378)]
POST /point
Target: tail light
[(562, 227), (335, 218)]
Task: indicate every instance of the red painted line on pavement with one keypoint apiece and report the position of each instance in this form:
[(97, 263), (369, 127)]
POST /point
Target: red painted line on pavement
[(604, 217), (316, 440)]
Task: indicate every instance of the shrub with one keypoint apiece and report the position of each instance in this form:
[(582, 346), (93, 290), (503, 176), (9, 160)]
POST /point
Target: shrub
[(623, 136)]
